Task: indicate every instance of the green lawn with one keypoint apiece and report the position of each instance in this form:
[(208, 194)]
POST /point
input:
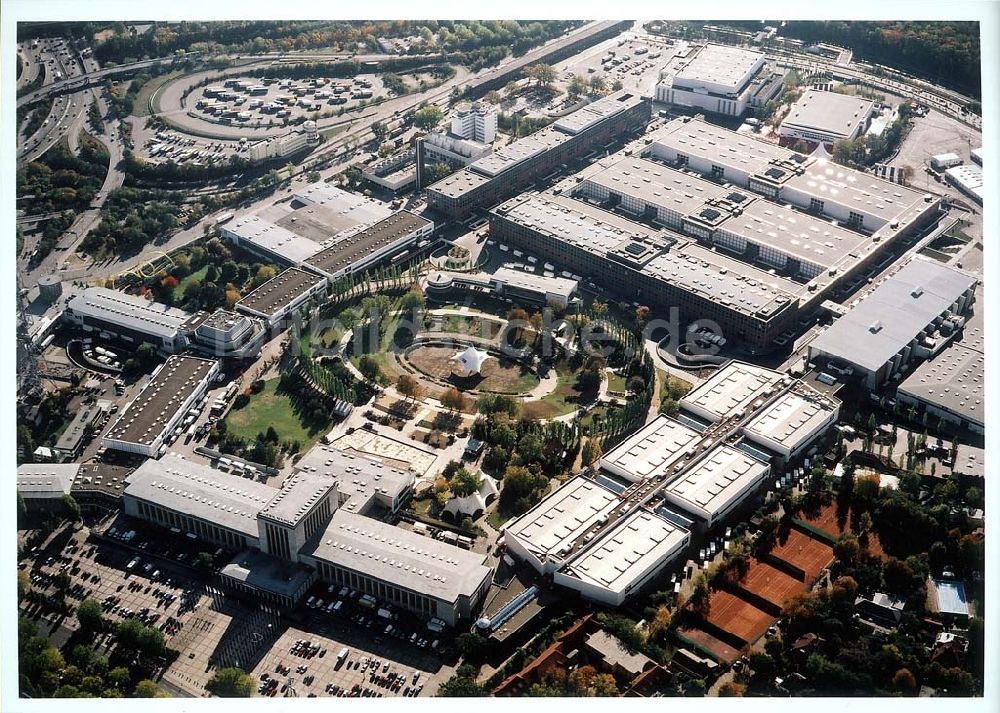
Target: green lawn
[(563, 400), (600, 412), (197, 276), (270, 408), (616, 382), (327, 338)]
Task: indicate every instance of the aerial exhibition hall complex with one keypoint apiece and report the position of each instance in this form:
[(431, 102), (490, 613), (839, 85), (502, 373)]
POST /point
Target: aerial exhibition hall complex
[(499, 358)]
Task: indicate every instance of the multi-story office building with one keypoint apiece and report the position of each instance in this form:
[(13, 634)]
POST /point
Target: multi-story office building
[(227, 334), (295, 513), (656, 267), (859, 200), (287, 145), (476, 121), (441, 148), (397, 566), (183, 496), (492, 179), (720, 225)]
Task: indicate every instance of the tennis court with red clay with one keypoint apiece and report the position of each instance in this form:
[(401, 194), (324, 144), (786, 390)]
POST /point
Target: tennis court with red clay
[(827, 521), (803, 552), (722, 651), (770, 583), (737, 616)]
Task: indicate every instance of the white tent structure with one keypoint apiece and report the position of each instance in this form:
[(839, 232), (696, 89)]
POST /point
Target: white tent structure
[(470, 361), (475, 503)]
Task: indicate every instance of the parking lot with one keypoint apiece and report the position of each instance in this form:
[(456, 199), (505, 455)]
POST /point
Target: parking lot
[(633, 59), (304, 662), (125, 577)]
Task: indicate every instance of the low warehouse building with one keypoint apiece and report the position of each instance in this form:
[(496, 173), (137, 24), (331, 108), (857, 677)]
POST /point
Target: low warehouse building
[(145, 425)]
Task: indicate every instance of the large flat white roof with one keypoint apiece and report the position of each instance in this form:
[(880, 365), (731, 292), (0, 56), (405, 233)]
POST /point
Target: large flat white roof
[(359, 208), (130, 311), (519, 151), (793, 418), (699, 270), (589, 115), (828, 113), (721, 146), (650, 451), (627, 551), (296, 497), (828, 181), (796, 234), (715, 481), (720, 65), (273, 238), (729, 390), (400, 557), (201, 491), (894, 313), (562, 517), (653, 183), (537, 283)]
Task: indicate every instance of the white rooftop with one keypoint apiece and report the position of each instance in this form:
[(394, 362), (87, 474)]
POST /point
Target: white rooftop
[(793, 418), (729, 390), (359, 479), (39, 480), (715, 481), (401, 557), (273, 238), (652, 182), (720, 65), (838, 115), (650, 451), (518, 151), (968, 176), (699, 270), (828, 181), (130, 311), (561, 286), (201, 491), (555, 523), (627, 551), (592, 113), (358, 208), (296, 498)]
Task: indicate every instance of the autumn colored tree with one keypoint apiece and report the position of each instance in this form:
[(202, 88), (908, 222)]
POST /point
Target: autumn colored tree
[(409, 387), (454, 400), (731, 689)]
